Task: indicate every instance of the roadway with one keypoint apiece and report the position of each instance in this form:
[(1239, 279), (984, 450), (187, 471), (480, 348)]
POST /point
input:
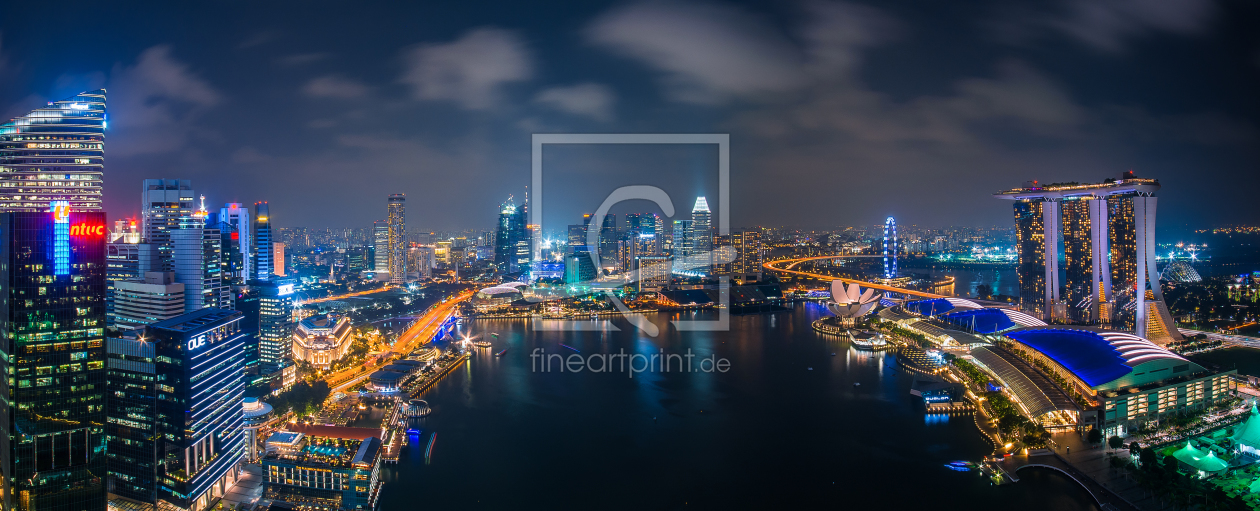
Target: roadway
[(420, 332), (786, 265), (348, 295)]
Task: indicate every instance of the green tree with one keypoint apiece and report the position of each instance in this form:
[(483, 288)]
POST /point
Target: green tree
[(1095, 436), (1115, 442)]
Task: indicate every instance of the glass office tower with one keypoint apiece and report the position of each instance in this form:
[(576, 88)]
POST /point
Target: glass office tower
[(175, 416), (54, 153), (52, 447), (262, 265), (397, 257)]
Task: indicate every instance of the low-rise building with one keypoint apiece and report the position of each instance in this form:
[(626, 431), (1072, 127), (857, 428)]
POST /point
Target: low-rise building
[(324, 467), (321, 340)]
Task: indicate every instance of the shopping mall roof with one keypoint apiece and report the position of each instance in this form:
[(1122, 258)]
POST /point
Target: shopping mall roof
[(1103, 359), (935, 306), (989, 321)]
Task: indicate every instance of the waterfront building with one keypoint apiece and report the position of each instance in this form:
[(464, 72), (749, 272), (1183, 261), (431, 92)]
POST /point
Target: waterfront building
[(380, 240), (579, 269), (197, 253), (53, 454), (702, 232), (138, 303), (749, 255), (324, 467), (163, 202), (262, 256), (321, 340), (396, 209), (654, 272), (497, 297), (236, 215), (175, 416), (1125, 381), (1108, 232), (510, 238), (55, 152)]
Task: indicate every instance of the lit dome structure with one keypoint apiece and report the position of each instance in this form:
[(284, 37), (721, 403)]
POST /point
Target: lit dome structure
[(1181, 271), (851, 303), (495, 297)]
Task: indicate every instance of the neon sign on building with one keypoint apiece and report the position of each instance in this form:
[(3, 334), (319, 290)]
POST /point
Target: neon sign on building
[(61, 236)]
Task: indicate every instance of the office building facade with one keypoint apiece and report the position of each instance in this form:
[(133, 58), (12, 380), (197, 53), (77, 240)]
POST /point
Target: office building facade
[(511, 241), (198, 257), (396, 209), (262, 255), (236, 215), (275, 323), (175, 423), (52, 447), (142, 302), (163, 202), (56, 152), (702, 232)]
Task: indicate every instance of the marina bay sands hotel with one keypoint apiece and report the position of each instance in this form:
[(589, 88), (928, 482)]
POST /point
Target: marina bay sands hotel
[(1105, 233)]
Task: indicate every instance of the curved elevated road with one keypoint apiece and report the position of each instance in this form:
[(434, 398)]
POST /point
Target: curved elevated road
[(419, 333), (786, 265)]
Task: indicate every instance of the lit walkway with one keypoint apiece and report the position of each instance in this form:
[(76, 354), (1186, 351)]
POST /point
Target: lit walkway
[(1044, 458), (785, 265)]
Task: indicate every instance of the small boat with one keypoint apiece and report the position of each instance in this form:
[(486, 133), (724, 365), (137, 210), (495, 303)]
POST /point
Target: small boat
[(833, 354), (495, 335), (856, 384), (575, 350), (809, 369), (482, 344), (500, 354)]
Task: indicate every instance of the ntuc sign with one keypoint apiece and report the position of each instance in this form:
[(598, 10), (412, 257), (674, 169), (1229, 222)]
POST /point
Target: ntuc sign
[(87, 230)]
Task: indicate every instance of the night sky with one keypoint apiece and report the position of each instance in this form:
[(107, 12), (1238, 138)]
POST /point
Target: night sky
[(839, 113)]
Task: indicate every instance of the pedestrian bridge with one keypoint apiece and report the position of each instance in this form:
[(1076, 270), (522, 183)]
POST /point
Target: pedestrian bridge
[(1045, 458)]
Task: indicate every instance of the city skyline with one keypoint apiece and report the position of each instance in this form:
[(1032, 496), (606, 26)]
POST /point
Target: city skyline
[(894, 105)]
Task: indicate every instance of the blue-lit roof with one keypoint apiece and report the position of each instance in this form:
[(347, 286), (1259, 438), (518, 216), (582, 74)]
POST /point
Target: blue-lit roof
[(1085, 353), (930, 307), (981, 321)]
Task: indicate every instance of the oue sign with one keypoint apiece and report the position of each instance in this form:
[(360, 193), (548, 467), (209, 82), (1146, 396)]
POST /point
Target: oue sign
[(197, 342)]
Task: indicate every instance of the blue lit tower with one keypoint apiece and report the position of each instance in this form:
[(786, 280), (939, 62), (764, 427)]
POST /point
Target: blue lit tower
[(890, 248), (262, 266)]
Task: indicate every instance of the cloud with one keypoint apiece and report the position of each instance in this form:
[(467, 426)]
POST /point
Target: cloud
[(258, 38), (334, 86), (299, 59), (587, 99), (471, 70), (1105, 26), (156, 102), (705, 53), (836, 33)]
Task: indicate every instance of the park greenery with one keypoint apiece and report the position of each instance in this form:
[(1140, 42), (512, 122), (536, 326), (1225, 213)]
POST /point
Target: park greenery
[(303, 398), (972, 372), (1013, 424)]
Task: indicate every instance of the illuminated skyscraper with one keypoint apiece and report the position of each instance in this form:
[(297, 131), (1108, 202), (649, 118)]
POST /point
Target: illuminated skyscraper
[(198, 256), (278, 249), (54, 153), (380, 243), (237, 215), (749, 254), (683, 238), (510, 238), (163, 202), (275, 323), (52, 456), (1109, 253), (263, 255), (396, 208), (701, 229)]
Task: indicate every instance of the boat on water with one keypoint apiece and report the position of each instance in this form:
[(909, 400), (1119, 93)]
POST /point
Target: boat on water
[(495, 335), (575, 350), (482, 344), (500, 354), (428, 453), (962, 466)]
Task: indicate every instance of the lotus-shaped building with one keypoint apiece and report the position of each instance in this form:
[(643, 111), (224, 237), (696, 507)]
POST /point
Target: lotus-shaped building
[(851, 303)]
